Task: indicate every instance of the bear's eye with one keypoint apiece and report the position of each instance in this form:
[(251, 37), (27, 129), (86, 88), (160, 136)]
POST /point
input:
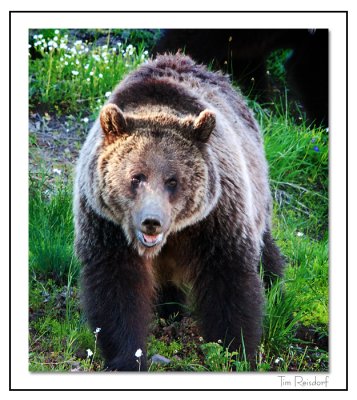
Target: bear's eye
[(171, 183), (137, 179)]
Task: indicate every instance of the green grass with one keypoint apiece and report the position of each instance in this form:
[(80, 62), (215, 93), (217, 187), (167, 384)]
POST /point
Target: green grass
[(298, 161), (51, 229), (73, 76)]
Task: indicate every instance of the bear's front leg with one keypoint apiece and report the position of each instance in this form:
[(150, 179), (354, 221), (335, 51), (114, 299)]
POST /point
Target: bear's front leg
[(229, 297), (117, 298)]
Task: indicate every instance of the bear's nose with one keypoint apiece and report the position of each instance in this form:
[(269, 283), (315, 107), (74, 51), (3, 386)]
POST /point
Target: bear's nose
[(151, 224)]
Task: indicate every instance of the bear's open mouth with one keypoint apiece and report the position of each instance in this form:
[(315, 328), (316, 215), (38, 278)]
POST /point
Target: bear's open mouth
[(149, 240)]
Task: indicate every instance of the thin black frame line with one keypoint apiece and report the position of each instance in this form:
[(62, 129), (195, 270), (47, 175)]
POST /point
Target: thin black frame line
[(179, 11), (177, 390), (9, 201), (347, 201), (340, 11)]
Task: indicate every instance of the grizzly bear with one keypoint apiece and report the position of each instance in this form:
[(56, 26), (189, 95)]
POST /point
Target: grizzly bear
[(172, 188)]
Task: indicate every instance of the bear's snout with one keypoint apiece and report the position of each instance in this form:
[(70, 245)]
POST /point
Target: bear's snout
[(151, 221), (151, 224)]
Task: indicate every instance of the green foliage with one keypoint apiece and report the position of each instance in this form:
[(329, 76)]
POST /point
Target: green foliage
[(164, 349), (77, 77), (58, 335), (138, 36), (51, 231), (283, 312), (218, 358), (298, 164), (276, 64)]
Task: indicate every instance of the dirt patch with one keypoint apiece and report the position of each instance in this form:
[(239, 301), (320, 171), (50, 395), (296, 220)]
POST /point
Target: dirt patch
[(54, 143)]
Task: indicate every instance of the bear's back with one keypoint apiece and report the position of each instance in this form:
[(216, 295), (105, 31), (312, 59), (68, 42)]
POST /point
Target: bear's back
[(176, 82)]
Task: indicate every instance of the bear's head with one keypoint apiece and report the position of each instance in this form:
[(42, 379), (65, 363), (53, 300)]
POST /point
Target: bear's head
[(155, 174)]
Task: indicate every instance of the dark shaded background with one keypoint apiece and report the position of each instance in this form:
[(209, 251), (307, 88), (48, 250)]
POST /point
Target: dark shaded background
[(244, 53)]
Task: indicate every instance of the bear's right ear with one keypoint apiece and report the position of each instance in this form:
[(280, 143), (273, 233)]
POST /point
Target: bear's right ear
[(203, 125), (112, 121)]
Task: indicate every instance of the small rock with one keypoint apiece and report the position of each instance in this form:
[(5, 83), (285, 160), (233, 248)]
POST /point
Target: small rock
[(75, 367), (157, 359)]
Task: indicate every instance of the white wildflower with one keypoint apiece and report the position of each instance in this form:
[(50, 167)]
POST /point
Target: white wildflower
[(107, 94), (100, 75), (85, 120), (299, 234), (97, 330), (57, 171), (138, 353), (56, 31), (89, 353), (75, 72)]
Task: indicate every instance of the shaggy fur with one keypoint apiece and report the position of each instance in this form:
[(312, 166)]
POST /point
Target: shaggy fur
[(176, 157)]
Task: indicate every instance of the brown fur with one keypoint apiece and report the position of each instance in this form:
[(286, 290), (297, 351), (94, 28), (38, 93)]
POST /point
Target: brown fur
[(175, 152)]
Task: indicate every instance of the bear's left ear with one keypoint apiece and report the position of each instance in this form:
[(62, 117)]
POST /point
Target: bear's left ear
[(112, 121), (203, 125)]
